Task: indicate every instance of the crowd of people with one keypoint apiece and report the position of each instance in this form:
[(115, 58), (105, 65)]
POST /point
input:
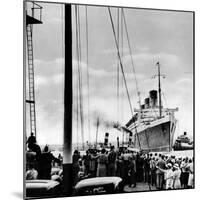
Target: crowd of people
[(39, 162), (161, 171), (158, 170)]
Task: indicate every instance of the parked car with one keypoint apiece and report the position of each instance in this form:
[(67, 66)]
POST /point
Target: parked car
[(42, 188), (98, 185)]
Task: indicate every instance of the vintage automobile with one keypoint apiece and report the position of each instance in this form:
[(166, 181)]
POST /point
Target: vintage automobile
[(98, 185), (42, 188)]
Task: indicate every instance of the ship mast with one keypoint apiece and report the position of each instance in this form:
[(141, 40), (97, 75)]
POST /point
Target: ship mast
[(159, 90), (68, 101)]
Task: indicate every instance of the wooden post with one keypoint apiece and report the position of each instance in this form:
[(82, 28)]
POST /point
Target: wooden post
[(67, 145)]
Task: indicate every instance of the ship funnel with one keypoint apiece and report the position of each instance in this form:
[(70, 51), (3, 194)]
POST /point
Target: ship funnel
[(117, 142), (106, 139), (130, 138), (153, 98), (142, 106), (146, 103)]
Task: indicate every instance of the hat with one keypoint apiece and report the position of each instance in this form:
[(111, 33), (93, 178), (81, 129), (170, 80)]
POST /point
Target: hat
[(176, 166), (169, 165)]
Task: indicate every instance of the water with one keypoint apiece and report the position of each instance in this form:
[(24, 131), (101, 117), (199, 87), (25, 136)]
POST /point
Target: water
[(183, 154)]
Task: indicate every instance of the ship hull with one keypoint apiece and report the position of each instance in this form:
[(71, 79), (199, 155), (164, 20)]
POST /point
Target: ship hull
[(155, 138)]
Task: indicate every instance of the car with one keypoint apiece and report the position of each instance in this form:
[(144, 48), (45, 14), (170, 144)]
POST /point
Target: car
[(98, 185), (42, 188)]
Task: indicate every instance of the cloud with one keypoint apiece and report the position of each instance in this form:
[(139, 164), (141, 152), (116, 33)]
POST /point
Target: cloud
[(40, 80), (58, 78), (114, 51), (48, 75), (48, 68), (185, 82), (142, 48), (145, 62)]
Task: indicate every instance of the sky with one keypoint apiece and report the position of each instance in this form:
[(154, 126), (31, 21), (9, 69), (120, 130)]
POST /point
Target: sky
[(163, 36)]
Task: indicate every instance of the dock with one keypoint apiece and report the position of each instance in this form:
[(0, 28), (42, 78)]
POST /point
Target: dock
[(140, 187)]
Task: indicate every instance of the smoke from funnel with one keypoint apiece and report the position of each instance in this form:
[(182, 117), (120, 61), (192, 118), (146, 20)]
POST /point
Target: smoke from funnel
[(103, 121)]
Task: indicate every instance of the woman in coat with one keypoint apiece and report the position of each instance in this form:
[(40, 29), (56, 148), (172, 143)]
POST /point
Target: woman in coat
[(176, 177), (75, 167), (169, 176), (102, 164), (132, 172)]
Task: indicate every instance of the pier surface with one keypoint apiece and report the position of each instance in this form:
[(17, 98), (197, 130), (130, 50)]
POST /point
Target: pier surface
[(140, 187)]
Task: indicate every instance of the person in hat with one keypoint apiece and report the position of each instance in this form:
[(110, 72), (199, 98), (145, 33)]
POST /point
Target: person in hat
[(102, 164), (152, 165), (31, 141), (132, 172), (169, 176), (176, 176), (120, 168), (31, 174), (159, 173), (75, 166), (191, 174), (112, 162), (86, 162), (184, 172), (45, 163)]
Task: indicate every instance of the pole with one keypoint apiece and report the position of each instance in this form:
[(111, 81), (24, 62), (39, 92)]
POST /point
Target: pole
[(97, 131), (67, 146), (118, 142), (123, 138), (159, 89)]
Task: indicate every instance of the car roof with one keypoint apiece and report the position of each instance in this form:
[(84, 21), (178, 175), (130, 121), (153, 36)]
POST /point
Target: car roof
[(39, 184), (98, 181)]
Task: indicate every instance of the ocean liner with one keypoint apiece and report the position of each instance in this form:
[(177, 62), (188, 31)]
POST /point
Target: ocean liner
[(152, 127)]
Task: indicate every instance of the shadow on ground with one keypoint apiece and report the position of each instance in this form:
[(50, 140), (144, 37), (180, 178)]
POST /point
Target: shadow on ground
[(18, 194), (140, 187)]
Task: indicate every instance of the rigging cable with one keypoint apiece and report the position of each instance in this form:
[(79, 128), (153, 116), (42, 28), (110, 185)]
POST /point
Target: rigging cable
[(130, 51), (122, 54), (165, 99), (118, 67), (122, 70), (120, 61), (80, 82), (79, 71), (77, 55), (131, 55), (87, 62)]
